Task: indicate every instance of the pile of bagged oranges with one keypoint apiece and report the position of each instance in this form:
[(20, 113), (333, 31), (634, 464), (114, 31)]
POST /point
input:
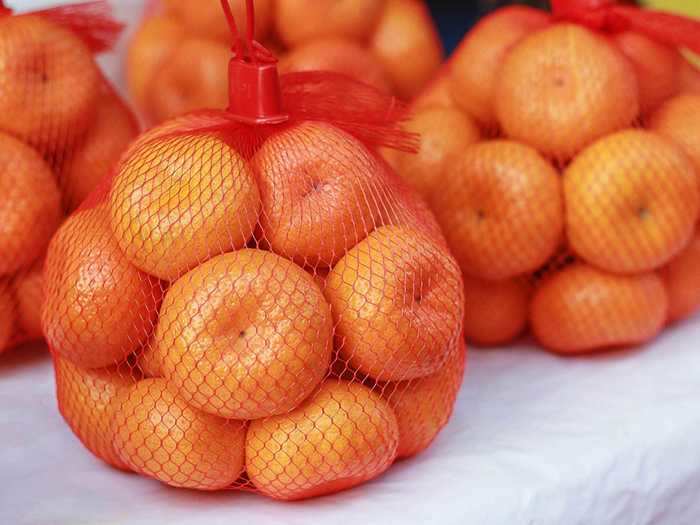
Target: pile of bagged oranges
[(178, 59), (563, 164), (61, 128), (281, 314)]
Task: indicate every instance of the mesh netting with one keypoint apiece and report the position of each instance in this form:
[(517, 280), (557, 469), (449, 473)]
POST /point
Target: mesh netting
[(258, 306), (178, 56), (561, 155), (61, 127)]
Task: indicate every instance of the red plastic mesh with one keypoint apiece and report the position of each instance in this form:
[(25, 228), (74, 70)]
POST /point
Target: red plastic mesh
[(561, 155), (176, 60), (61, 127), (262, 307)]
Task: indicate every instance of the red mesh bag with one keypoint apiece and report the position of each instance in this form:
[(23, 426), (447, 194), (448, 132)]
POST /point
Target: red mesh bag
[(61, 126), (254, 300), (177, 58), (561, 155)]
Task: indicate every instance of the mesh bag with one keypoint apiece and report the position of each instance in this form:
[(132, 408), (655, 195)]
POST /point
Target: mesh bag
[(254, 300), (177, 59), (61, 125), (561, 155)]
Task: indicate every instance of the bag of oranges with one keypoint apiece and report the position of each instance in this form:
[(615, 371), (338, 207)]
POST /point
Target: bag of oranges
[(178, 57), (254, 299), (61, 126), (561, 154)]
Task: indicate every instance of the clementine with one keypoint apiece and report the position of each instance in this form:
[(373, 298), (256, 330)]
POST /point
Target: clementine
[(679, 120), (7, 315), (28, 288), (682, 278)]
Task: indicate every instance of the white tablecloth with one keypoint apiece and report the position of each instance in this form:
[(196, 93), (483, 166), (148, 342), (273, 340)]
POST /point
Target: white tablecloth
[(535, 440)]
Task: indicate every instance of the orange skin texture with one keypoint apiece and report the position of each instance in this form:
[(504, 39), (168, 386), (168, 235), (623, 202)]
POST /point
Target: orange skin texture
[(7, 315), (679, 120), (157, 434), (87, 400), (194, 76), (496, 312), (632, 202), (172, 208), (657, 67), (407, 45), (424, 406), (49, 85), (30, 206), (148, 361), (560, 65), (682, 278), (397, 303), (689, 80), (299, 21), (151, 45), (582, 309), (342, 436), (205, 17), (437, 94), (107, 137), (99, 308), (238, 341), (339, 55), (500, 206), (475, 64), (443, 133), (321, 192), (28, 288)]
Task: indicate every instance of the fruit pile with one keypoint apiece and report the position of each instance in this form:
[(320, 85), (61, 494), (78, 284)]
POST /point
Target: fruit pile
[(265, 306), (562, 161), (61, 127), (177, 59)]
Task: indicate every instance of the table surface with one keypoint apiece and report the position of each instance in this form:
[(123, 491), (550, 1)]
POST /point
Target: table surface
[(535, 439)]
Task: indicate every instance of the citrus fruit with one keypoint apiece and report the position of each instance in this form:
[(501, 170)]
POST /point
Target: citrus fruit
[(99, 308), (396, 299), (562, 88), (245, 335), (582, 309), (7, 315), (500, 206), (689, 78), (679, 120), (682, 278), (342, 436), (148, 361), (173, 207), (437, 94), (632, 201), (156, 433), (28, 288)]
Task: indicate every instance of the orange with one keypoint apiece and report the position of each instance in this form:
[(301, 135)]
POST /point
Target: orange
[(679, 120), (407, 44), (99, 308), (682, 278), (245, 335), (49, 83), (300, 21), (582, 309), (320, 190), (342, 436), (689, 78), (106, 139), (7, 315), (30, 206), (339, 55), (632, 201), (423, 406), (87, 400), (657, 67), (178, 201), (496, 312), (500, 206), (28, 287), (397, 303), (206, 17), (475, 65), (564, 87), (194, 76), (157, 434), (151, 45), (443, 132), (148, 361), (437, 94)]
